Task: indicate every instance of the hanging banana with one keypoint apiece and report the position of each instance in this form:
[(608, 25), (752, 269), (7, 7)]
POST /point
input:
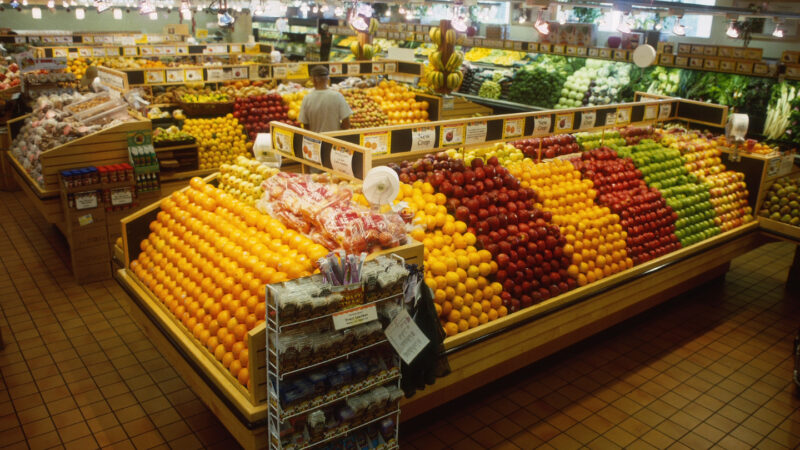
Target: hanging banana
[(436, 36)]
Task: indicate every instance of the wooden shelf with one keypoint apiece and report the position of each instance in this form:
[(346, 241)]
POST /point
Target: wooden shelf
[(780, 230)]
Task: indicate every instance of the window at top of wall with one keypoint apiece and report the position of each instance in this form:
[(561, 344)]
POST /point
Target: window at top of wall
[(697, 25)]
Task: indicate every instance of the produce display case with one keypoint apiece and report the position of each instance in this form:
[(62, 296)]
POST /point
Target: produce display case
[(241, 410)]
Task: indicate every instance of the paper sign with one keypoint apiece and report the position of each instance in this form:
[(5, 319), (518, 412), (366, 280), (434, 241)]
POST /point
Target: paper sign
[(122, 196), (215, 74), (623, 116), (355, 316), (59, 53), (182, 50), (378, 143), (423, 138), (353, 69), (159, 50), (193, 74), (390, 68), (311, 149), (279, 72), (664, 111), (513, 128), (282, 140), (377, 68), (475, 133), (129, 51), (541, 125), (342, 161), (99, 51), (175, 76), (611, 119), (235, 48), (295, 71), (155, 76), (146, 51), (240, 73), (85, 219), (587, 119), (564, 122), (650, 112), (335, 69), (451, 135), (406, 337), (86, 200), (85, 52)]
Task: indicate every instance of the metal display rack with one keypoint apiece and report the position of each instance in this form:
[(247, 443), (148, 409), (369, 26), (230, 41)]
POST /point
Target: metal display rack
[(279, 415)]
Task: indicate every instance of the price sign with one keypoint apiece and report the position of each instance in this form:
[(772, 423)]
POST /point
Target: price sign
[(541, 125), (311, 149), (342, 161), (240, 73), (295, 71), (696, 63), (355, 316), (390, 68), (743, 67), (155, 76), (558, 49), (353, 69), (587, 119), (215, 49), (667, 59), (86, 200), (611, 119), (582, 51), (193, 74), (423, 138), (594, 52), (406, 337), (475, 133), (664, 111), (572, 50), (711, 64), (99, 51), (279, 72), (650, 112), (215, 74), (146, 51), (761, 69), (623, 116), (182, 50), (170, 50), (159, 50), (518, 46), (727, 65), (377, 68), (122, 196), (604, 53), (235, 48), (620, 55), (175, 76), (564, 122), (84, 52), (681, 61), (282, 140), (59, 53), (129, 51), (378, 143), (513, 128), (335, 69), (451, 135)]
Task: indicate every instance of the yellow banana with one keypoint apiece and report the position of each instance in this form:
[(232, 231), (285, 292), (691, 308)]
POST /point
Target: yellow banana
[(450, 37), (436, 35), (354, 47)]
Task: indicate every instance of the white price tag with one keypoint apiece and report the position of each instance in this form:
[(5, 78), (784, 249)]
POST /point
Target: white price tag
[(378, 143), (235, 48), (342, 161), (193, 74), (59, 53), (311, 149), (355, 316), (279, 72), (623, 116), (377, 68), (423, 138), (513, 128), (611, 119), (353, 69), (541, 125), (175, 76), (406, 337), (182, 50), (155, 76), (664, 111), (390, 68), (146, 51), (215, 74), (335, 69), (129, 51), (121, 197), (159, 50), (99, 51), (84, 52), (240, 73), (650, 112), (86, 200), (476, 133), (587, 119)]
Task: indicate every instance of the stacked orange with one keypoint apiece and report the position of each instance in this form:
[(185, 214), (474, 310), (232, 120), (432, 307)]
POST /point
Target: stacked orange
[(208, 259), (595, 238), (456, 271), (398, 102)]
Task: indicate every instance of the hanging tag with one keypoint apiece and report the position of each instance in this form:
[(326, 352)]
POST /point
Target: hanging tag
[(406, 337)]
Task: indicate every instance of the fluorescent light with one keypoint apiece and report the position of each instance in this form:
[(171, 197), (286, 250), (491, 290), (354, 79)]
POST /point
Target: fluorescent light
[(679, 29), (36, 13), (153, 15), (117, 14), (541, 26), (732, 32), (80, 13), (778, 32)]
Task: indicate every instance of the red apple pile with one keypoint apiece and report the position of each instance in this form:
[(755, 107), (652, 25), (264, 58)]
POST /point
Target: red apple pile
[(552, 146), (9, 76), (645, 216), (366, 112), (257, 111), (633, 134)]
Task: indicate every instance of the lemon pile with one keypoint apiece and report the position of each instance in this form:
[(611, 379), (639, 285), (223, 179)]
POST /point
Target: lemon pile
[(220, 140)]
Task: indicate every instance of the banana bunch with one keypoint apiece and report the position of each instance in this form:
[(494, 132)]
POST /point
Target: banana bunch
[(439, 80), (366, 51), (454, 63), (373, 25), (436, 36), (444, 75)]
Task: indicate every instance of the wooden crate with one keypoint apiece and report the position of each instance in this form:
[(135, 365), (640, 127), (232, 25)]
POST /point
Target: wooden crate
[(7, 182), (462, 109)]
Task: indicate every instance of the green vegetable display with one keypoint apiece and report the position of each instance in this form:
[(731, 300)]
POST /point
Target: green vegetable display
[(536, 86), (490, 89)]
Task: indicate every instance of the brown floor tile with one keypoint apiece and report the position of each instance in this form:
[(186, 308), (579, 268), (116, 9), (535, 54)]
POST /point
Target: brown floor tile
[(110, 436), (43, 441), (38, 427)]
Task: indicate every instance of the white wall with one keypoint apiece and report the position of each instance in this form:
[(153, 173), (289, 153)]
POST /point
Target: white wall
[(133, 22)]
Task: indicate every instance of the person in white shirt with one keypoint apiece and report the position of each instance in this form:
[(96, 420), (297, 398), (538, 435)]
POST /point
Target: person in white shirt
[(324, 109)]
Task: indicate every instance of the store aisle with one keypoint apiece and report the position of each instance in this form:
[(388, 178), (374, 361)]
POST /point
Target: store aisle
[(710, 368)]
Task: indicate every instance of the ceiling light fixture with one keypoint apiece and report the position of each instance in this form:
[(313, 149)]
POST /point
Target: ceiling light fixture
[(679, 29), (80, 13), (625, 24), (117, 14), (732, 32), (541, 26), (36, 13), (778, 32)]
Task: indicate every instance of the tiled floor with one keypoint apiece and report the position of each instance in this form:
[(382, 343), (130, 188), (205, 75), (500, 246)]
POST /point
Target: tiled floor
[(712, 367)]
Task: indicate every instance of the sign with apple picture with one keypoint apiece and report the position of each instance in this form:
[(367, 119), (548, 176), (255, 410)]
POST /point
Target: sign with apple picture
[(451, 135), (623, 116), (335, 69), (564, 122), (311, 149), (513, 128)]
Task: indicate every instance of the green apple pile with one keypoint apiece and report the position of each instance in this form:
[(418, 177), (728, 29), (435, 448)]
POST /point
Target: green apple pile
[(505, 153), (596, 139)]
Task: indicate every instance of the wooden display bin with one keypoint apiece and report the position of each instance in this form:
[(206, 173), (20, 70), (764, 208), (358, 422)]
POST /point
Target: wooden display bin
[(7, 182), (242, 410)]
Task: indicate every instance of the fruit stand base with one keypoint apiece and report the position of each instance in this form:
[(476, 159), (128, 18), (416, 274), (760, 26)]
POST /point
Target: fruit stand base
[(544, 329)]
